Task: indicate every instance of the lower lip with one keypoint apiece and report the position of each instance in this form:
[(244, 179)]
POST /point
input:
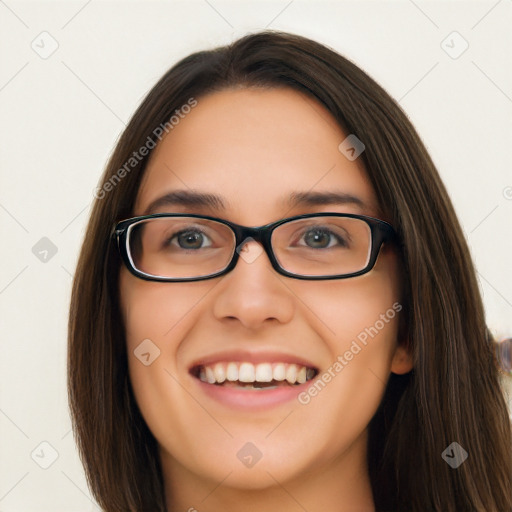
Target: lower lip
[(251, 399)]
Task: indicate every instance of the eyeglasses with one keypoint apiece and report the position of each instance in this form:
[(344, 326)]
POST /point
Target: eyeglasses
[(172, 247)]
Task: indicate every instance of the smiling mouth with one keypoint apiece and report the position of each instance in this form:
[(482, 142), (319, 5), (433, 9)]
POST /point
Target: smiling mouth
[(244, 375)]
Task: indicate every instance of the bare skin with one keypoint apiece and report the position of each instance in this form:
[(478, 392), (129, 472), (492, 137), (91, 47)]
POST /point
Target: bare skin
[(253, 148)]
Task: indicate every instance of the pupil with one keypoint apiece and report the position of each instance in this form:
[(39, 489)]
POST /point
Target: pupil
[(316, 236), (190, 240)]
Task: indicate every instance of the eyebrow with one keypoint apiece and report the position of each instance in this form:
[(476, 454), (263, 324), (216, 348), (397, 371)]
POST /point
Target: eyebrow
[(187, 198), (193, 199), (323, 198)]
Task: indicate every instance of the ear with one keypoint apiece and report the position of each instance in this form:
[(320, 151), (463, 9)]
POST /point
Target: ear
[(402, 359)]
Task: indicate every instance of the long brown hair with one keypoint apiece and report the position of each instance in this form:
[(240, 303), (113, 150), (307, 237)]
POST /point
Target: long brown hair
[(451, 395)]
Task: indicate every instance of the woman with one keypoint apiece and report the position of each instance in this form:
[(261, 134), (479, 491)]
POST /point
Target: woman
[(337, 358)]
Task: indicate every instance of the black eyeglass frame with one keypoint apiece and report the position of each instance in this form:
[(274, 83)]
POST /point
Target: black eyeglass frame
[(381, 232)]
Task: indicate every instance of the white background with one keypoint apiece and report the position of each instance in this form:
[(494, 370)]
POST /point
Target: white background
[(61, 116)]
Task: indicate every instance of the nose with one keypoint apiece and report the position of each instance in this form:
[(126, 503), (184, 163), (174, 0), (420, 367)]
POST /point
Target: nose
[(253, 293)]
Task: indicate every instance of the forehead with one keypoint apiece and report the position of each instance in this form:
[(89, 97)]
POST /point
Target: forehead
[(255, 148)]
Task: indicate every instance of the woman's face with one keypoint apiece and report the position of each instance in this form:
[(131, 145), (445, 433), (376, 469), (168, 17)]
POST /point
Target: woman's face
[(253, 149)]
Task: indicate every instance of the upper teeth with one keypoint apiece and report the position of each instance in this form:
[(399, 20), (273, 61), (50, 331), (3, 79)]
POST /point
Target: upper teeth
[(248, 372)]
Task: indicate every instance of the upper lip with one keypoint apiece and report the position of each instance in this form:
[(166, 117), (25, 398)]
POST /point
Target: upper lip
[(254, 357)]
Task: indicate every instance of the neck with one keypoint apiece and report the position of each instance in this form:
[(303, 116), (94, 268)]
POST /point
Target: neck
[(341, 484)]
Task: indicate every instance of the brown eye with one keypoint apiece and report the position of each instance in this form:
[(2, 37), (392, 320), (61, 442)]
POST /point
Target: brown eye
[(190, 239), (321, 238)]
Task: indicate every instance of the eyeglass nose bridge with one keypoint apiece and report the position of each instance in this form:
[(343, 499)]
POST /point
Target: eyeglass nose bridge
[(244, 235)]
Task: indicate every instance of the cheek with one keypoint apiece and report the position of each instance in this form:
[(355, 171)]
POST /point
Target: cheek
[(158, 311), (156, 316), (347, 393), (359, 321), (354, 309)]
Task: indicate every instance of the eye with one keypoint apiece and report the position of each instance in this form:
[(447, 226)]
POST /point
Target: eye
[(189, 239), (323, 238)]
